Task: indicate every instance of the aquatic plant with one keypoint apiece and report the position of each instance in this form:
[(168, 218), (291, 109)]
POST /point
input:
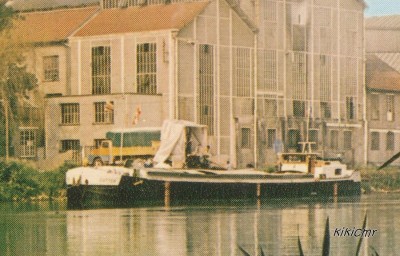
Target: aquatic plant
[(327, 238), (325, 244)]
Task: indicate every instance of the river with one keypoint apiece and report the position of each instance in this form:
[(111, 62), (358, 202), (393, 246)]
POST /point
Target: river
[(202, 228)]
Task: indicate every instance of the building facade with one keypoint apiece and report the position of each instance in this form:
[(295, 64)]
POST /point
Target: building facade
[(383, 87), (48, 57), (262, 75), (310, 77)]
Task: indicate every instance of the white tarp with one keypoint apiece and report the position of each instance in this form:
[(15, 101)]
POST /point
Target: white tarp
[(174, 138)]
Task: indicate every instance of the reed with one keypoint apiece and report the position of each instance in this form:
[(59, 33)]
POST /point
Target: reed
[(325, 243)]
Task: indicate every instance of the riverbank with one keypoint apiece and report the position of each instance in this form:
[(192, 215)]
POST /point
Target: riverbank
[(21, 182), (386, 180)]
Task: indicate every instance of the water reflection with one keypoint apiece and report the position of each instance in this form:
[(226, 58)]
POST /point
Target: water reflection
[(197, 229)]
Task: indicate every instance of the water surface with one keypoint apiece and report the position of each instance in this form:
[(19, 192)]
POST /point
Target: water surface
[(206, 228)]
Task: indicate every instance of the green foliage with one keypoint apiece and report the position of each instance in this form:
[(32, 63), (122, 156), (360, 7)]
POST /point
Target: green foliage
[(21, 182), (15, 81), (19, 82), (269, 169), (387, 179), (6, 16), (17, 182), (53, 182)]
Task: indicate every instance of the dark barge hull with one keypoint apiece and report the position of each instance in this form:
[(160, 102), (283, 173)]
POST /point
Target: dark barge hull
[(132, 190)]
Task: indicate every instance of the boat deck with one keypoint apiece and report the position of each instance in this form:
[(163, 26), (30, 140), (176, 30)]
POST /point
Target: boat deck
[(226, 176)]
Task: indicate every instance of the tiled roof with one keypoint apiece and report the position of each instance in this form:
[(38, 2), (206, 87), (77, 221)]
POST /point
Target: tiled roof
[(146, 18), (380, 75), (52, 26), (391, 59), (383, 22)]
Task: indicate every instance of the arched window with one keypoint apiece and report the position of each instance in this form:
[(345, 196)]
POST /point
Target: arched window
[(390, 141)]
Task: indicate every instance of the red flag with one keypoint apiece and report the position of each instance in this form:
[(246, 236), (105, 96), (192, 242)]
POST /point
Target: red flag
[(109, 106), (137, 115)]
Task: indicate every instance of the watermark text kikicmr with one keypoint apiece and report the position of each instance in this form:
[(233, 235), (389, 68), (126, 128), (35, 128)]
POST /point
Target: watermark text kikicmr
[(354, 232)]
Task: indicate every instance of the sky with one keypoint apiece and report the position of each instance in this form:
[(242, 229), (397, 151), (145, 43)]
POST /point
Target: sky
[(382, 7)]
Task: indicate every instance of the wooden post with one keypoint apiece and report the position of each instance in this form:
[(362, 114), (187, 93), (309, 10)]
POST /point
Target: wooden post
[(7, 124), (335, 189), (167, 193), (5, 106), (258, 190)]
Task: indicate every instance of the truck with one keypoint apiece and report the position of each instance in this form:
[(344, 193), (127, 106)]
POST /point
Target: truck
[(126, 144)]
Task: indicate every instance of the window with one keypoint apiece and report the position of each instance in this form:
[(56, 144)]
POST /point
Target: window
[(299, 76), (70, 113), (299, 37), (270, 11), (313, 137), (243, 72), (350, 108), (351, 44), (97, 142), (246, 138), (299, 108), (28, 114), (270, 71), (325, 86), (271, 138), (374, 140), (390, 107), (101, 70), (390, 141), (347, 140), (294, 139), (146, 58), (206, 86), (334, 139), (271, 108), (104, 112), (28, 143), (338, 171), (325, 110), (374, 107), (50, 68), (69, 145), (325, 36)]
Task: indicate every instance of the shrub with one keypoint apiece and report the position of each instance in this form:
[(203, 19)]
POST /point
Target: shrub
[(19, 181)]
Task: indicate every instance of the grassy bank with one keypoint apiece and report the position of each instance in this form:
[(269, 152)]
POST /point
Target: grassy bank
[(19, 182), (386, 180)]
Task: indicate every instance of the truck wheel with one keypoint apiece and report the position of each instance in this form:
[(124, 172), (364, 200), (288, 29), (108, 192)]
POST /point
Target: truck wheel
[(97, 162)]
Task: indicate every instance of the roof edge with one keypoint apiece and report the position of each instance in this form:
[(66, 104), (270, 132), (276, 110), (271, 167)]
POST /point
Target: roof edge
[(373, 89), (85, 22), (363, 3), (242, 15), (58, 8)]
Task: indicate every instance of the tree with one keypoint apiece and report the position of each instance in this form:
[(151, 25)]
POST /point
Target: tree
[(15, 81)]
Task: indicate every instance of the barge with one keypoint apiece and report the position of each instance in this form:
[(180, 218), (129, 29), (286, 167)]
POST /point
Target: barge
[(297, 175)]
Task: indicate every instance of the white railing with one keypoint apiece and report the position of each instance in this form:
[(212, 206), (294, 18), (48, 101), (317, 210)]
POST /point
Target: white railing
[(108, 4)]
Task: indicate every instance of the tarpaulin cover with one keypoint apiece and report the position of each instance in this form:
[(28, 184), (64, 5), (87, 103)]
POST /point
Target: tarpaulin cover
[(173, 138)]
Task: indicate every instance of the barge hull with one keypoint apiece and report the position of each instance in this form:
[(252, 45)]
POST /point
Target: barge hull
[(133, 190)]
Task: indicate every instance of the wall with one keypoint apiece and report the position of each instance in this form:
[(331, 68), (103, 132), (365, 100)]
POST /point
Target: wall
[(87, 130), (222, 28), (332, 38)]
